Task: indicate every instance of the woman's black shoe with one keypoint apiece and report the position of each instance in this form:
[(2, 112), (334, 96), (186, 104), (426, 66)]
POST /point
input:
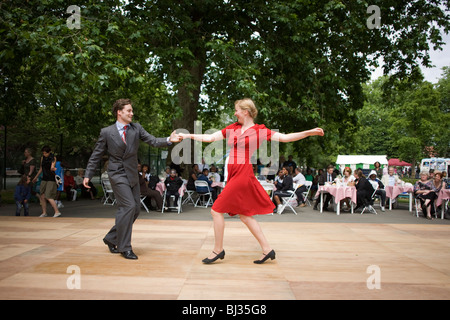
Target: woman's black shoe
[(270, 255), (220, 256)]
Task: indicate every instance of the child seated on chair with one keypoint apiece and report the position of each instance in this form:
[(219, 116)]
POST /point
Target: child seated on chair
[(173, 184)]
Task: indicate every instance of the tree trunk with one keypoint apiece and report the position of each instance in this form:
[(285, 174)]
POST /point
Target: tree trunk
[(188, 99)]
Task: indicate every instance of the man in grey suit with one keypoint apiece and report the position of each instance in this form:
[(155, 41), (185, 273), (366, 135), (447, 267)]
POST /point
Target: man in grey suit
[(121, 141)]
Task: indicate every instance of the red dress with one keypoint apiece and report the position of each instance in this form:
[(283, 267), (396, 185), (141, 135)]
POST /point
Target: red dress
[(243, 193)]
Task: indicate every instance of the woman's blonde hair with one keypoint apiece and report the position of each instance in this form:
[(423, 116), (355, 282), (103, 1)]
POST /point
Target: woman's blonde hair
[(249, 105)]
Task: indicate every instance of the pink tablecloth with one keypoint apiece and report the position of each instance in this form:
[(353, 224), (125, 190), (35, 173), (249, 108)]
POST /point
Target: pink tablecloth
[(393, 192), (340, 193), (217, 184), (444, 194)]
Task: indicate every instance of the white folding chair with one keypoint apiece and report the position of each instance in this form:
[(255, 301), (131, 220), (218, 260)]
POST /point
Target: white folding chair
[(108, 193), (143, 203), (189, 194), (188, 198), (269, 187), (286, 200), (176, 205), (417, 204), (306, 194), (444, 208), (74, 194), (435, 210), (369, 207), (199, 184)]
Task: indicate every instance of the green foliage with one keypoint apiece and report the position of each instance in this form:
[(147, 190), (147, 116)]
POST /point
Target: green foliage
[(63, 81), (410, 125), (304, 63)]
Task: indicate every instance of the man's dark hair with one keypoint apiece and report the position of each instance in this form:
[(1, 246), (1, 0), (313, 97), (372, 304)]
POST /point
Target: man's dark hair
[(46, 149), (119, 105)]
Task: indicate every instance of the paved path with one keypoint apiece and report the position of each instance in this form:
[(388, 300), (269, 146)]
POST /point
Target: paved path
[(85, 208)]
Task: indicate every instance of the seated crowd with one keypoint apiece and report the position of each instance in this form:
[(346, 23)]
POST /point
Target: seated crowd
[(173, 182), (368, 188), (209, 174), (365, 187), (426, 190)]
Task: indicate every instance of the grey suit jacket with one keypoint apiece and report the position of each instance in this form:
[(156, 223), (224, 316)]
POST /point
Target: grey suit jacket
[(123, 161)]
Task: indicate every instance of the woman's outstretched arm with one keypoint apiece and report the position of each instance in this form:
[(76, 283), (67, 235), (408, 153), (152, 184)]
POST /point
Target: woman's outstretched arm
[(203, 137), (290, 137)]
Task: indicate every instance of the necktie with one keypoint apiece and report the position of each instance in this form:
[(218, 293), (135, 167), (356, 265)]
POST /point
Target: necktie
[(124, 137)]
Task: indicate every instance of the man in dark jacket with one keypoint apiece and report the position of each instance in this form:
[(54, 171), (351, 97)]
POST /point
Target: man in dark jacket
[(327, 176), (283, 188)]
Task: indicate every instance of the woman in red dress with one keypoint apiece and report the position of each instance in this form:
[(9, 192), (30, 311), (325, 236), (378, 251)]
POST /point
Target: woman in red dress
[(243, 195)]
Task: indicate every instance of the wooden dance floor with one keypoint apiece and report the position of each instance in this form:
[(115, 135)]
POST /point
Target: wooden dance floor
[(314, 261)]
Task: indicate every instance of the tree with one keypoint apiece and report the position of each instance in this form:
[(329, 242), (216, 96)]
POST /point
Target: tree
[(373, 121), (302, 61), (63, 81), (407, 124), (443, 136), (414, 123)]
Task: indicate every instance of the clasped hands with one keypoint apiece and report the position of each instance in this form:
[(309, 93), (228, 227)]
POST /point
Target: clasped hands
[(178, 137), (175, 137)]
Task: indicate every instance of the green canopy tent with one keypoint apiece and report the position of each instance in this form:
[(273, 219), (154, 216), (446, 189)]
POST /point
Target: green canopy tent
[(364, 162)]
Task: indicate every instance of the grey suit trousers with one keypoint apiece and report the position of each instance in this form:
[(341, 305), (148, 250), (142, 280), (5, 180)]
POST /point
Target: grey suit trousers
[(129, 207)]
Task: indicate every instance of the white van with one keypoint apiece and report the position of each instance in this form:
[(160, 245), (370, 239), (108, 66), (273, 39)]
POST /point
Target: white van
[(438, 164)]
